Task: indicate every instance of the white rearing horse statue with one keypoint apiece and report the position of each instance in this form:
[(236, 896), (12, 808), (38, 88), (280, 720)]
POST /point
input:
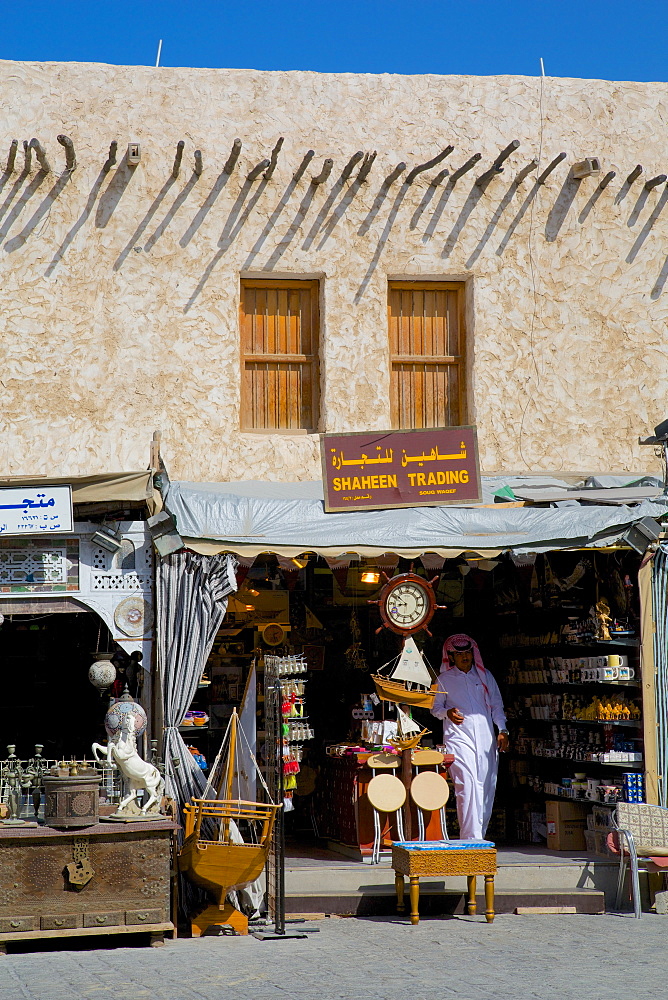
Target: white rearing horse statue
[(138, 773)]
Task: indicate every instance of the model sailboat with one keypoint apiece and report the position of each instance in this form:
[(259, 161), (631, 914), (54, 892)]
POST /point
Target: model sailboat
[(215, 854), (409, 733), (408, 680)]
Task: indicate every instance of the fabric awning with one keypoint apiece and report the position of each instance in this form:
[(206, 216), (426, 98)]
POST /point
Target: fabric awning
[(100, 488), (289, 518)]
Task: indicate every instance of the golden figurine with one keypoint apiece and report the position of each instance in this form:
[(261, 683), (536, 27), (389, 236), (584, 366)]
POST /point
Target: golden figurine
[(603, 620)]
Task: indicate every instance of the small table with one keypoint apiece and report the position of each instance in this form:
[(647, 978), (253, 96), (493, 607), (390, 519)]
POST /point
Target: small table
[(443, 858)]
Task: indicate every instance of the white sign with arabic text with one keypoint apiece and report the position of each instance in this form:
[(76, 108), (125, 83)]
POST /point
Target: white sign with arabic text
[(35, 510)]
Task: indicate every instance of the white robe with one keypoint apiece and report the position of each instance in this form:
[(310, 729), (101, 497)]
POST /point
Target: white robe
[(473, 744)]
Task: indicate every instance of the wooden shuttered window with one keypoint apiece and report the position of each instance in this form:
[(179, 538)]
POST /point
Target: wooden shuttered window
[(426, 330), (279, 355)]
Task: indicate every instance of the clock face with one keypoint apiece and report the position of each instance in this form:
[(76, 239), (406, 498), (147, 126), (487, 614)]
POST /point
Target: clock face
[(273, 634), (407, 603)]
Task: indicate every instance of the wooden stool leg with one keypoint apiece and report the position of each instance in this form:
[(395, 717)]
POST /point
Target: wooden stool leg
[(471, 906), (415, 898), (489, 898), (399, 886)]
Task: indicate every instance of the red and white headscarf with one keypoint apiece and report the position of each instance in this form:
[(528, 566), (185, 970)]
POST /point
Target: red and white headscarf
[(460, 643)]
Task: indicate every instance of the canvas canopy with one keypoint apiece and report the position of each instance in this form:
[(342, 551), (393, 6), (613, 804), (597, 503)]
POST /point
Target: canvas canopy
[(101, 488), (252, 517)]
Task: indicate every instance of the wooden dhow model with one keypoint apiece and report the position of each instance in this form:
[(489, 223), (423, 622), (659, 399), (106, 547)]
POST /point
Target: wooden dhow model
[(409, 733), (214, 854), (408, 680)]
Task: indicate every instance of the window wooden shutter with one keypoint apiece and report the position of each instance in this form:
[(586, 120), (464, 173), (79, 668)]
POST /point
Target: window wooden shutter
[(426, 331), (279, 355)]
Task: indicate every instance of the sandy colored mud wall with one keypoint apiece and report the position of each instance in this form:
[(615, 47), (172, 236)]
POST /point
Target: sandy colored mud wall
[(119, 288)]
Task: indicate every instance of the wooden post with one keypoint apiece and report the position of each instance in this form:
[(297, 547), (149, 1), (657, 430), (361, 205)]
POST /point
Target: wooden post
[(648, 679), (233, 157), (407, 777)]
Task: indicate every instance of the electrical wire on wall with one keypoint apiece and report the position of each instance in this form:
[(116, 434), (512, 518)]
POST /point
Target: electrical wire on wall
[(531, 396)]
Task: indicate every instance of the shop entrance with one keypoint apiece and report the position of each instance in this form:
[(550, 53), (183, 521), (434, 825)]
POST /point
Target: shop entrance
[(46, 695), (559, 632)]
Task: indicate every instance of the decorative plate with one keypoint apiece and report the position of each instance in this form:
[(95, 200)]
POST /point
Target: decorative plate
[(133, 616)]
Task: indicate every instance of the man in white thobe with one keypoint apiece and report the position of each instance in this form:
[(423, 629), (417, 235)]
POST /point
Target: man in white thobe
[(470, 704)]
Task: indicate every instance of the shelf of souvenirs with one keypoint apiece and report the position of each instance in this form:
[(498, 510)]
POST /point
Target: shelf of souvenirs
[(583, 684), (571, 670), (550, 707), (521, 640), (637, 723), (591, 759)]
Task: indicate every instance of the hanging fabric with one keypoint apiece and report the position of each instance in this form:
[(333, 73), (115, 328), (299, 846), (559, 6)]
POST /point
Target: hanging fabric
[(192, 592), (660, 608)]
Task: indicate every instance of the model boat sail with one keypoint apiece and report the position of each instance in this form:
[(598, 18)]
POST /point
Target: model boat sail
[(226, 840), (409, 733), (408, 680)]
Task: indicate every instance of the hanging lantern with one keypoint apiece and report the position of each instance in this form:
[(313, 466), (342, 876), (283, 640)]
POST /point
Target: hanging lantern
[(125, 705), (102, 673)]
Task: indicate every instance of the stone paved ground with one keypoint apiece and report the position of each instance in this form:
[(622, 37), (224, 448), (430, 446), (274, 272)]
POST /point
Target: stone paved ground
[(517, 958)]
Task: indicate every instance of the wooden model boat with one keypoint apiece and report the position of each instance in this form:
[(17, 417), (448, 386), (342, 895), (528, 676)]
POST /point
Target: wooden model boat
[(214, 854), (409, 733), (409, 680)]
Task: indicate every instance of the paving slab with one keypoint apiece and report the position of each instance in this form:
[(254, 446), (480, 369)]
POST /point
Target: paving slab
[(566, 956)]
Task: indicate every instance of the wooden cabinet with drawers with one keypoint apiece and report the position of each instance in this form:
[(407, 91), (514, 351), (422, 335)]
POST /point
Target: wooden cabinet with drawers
[(43, 893)]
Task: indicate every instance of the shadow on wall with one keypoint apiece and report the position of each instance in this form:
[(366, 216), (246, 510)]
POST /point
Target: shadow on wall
[(114, 192), (560, 209), (660, 281), (85, 215), (646, 229), (43, 209), (23, 199)]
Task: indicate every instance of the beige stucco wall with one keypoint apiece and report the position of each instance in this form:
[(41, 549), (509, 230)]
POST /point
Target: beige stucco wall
[(119, 291)]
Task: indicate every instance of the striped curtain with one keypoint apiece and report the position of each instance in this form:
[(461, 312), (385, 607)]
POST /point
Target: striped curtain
[(192, 592), (660, 601)]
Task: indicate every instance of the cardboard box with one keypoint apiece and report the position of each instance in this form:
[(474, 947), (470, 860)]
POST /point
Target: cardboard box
[(566, 823)]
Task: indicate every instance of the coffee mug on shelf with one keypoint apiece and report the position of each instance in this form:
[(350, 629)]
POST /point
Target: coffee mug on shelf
[(626, 673), (608, 673)]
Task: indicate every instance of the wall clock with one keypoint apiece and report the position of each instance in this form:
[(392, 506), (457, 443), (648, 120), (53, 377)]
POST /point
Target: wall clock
[(273, 634), (407, 604)]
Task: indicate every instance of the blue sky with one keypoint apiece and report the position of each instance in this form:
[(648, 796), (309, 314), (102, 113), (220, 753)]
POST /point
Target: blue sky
[(612, 40)]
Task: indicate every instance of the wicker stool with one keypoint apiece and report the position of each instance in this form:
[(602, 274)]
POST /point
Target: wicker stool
[(444, 858)]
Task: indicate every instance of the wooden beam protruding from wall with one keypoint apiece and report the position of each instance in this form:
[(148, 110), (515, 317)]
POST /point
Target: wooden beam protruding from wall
[(497, 166), (634, 175), (391, 177), (465, 167), (367, 164), (550, 167), (70, 155), (324, 173), (199, 166), (421, 167), (299, 172), (112, 157), (351, 164), (27, 156), (273, 159), (655, 181), (40, 153), (525, 171), (176, 169), (610, 176), (257, 170), (11, 158), (233, 157)]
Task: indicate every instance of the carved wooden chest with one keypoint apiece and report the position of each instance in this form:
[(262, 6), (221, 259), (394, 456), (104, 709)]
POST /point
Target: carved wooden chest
[(110, 878)]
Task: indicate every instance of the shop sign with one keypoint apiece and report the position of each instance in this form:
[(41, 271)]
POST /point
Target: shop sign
[(383, 469), (35, 510)]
